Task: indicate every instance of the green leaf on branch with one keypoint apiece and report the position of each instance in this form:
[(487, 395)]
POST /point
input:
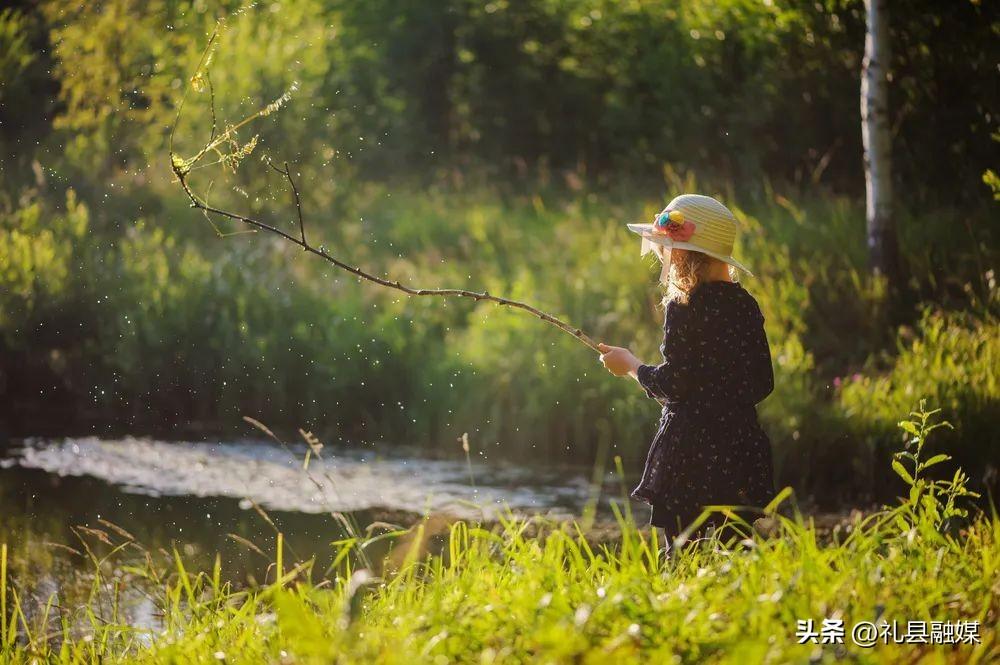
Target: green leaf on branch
[(903, 473), (937, 459)]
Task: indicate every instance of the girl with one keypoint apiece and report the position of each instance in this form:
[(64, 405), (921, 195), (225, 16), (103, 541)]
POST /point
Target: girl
[(709, 448)]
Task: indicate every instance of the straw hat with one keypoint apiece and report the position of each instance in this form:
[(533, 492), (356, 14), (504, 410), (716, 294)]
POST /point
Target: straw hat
[(695, 222)]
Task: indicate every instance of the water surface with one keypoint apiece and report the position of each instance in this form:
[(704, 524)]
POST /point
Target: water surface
[(278, 478), (199, 495)]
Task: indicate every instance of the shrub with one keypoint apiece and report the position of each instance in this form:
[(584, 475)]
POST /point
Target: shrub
[(952, 359)]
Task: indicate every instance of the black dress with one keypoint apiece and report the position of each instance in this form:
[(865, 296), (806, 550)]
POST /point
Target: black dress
[(709, 448)]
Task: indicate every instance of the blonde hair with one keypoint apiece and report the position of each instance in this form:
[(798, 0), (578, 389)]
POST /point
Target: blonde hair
[(687, 271)]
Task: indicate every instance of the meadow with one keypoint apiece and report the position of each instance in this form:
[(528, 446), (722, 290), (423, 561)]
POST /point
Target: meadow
[(529, 590)]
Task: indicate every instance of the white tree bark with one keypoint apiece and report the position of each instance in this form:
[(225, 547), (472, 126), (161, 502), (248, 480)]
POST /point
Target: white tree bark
[(876, 137)]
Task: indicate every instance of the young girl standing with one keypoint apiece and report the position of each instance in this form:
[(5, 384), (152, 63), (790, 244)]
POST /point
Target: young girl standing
[(709, 448)]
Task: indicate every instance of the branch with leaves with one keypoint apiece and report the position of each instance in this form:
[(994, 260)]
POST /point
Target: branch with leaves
[(226, 148)]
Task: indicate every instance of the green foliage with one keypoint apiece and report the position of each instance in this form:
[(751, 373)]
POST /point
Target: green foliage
[(951, 358), (26, 102), (599, 85), (530, 589), (933, 502), (115, 65), (16, 58), (591, 86), (39, 246)]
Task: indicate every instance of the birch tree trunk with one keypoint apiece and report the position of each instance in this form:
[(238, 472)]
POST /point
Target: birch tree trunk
[(876, 136)]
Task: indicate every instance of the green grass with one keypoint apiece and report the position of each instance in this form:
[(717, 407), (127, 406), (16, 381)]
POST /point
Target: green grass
[(526, 590), (949, 358)]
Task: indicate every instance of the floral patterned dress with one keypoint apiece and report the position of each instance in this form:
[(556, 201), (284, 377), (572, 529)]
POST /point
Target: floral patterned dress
[(709, 448)]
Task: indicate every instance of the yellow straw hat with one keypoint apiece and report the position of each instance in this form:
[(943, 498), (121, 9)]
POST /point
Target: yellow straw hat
[(695, 222)]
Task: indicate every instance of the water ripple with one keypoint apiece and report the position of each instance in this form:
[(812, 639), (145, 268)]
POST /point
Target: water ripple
[(274, 477)]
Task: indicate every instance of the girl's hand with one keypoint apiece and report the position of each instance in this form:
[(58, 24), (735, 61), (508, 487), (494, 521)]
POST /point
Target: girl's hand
[(619, 361)]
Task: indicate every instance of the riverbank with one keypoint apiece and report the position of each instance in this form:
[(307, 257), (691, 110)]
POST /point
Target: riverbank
[(519, 588), (512, 587), (501, 595)]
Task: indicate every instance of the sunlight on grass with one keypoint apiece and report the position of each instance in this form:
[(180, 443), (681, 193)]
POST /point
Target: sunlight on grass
[(532, 589)]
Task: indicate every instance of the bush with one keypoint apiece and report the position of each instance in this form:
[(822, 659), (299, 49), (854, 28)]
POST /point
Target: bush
[(952, 359)]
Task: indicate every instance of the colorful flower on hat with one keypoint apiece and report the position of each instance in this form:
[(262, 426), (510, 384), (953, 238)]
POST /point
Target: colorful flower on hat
[(672, 224)]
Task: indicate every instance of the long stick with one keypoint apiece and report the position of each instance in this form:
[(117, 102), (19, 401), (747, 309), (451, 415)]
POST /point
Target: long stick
[(182, 168)]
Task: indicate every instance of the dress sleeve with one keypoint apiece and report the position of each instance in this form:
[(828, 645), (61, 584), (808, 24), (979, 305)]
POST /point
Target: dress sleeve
[(759, 381), (668, 380)]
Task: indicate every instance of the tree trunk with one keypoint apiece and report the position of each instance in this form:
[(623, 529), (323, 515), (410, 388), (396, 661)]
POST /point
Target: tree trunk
[(876, 136)]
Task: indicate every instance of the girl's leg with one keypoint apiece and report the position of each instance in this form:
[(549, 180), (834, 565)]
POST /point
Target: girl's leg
[(674, 523)]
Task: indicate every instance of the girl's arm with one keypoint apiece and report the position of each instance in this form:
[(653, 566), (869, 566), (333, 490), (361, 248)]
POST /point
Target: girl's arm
[(666, 381)]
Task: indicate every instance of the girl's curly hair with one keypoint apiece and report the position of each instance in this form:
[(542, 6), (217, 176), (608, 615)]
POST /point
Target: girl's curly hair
[(686, 272)]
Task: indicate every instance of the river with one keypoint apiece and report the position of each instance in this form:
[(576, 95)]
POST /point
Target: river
[(204, 497)]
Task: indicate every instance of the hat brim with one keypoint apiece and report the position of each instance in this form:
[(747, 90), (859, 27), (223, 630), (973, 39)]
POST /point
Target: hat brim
[(646, 231)]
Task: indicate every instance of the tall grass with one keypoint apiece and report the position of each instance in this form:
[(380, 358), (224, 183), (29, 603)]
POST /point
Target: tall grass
[(4, 641), (533, 590), (951, 359)]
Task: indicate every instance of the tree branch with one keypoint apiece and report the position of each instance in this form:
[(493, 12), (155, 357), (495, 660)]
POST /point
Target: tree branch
[(182, 168), (287, 172)]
